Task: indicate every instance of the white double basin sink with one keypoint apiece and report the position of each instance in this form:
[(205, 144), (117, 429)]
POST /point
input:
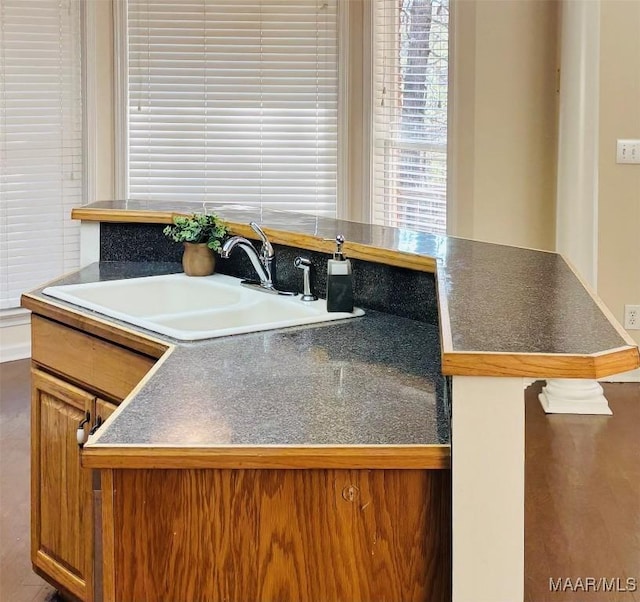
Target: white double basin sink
[(189, 308)]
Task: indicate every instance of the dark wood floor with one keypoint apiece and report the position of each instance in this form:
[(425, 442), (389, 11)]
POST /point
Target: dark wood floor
[(582, 508), (18, 583), (582, 496)]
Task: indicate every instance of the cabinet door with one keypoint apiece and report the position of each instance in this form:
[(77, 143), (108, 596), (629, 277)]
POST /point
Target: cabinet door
[(61, 490), (104, 409)]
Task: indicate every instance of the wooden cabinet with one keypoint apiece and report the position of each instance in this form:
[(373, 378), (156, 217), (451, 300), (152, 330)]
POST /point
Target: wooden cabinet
[(273, 535), (74, 377), (104, 409), (61, 506)]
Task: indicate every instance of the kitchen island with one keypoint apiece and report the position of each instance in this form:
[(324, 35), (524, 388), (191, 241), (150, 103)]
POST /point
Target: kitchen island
[(298, 464), (507, 315)]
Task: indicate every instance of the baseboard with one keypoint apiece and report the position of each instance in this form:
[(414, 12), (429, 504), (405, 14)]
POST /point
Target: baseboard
[(12, 353), (626, 377), (15, 335)]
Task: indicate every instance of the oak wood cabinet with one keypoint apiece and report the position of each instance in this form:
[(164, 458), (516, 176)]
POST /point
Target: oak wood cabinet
[(77, 381), (61, 509), (193, 532), (244, 535)]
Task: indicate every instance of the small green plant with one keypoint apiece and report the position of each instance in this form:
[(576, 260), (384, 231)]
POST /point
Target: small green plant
[(198, 228)]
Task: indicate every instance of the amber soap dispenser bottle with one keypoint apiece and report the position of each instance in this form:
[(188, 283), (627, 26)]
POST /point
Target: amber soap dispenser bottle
[(339, 280)]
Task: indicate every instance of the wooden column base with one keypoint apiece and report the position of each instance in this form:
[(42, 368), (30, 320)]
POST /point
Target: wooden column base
[(574, 396)]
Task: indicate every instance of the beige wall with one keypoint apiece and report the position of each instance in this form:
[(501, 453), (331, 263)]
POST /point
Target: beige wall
[(619, 185), (504, 115)]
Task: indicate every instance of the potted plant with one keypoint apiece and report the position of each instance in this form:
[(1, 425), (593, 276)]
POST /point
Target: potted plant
[(202, 235)]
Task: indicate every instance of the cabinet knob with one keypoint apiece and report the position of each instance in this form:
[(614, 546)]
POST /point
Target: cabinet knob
[(96, 426)]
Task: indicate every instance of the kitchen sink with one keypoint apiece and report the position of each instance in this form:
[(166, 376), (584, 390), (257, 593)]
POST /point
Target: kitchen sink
[(189, 309)]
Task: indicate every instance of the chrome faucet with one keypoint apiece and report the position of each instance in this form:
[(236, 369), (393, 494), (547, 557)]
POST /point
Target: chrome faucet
[(262, 261)]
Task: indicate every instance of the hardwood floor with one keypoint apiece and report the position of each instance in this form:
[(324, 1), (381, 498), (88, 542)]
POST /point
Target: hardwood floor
[(582, 506), (18, 583)]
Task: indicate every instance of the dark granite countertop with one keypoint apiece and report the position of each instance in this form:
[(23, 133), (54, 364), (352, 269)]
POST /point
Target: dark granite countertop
[(500, 299), (374, 380)]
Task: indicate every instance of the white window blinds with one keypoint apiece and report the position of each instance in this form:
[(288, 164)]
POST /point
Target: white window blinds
[(410, 114), (233, 101), (40, 142)]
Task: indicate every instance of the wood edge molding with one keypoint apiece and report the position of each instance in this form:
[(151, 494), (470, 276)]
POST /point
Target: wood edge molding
[(310, 242), (540, 365), (125, 402), (89, 214), (72, 395), (467, 363), (108, 537), (269, 457), (34, 451), (600, 303), (60, 575), (616, 361), (118, 334)]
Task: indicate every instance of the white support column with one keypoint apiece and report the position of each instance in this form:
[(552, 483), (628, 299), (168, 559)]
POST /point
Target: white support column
[(574, 396), (577, 184), (89, 243), (487, 447)]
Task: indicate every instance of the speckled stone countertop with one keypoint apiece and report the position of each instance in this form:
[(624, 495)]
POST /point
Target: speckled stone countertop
[(373, 380), (526, 309)]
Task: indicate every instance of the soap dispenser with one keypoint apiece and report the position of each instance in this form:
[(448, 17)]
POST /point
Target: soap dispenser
[(339, 281)]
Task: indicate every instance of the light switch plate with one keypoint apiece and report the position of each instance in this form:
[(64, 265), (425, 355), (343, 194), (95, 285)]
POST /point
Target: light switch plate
[(628, 151)]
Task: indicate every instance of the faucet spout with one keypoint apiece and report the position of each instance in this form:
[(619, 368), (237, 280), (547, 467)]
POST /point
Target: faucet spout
[(262, 267)]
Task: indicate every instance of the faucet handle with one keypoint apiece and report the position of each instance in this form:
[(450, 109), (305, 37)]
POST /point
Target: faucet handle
[(267, 249)]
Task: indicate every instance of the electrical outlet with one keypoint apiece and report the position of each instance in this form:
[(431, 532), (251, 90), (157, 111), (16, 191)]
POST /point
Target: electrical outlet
[(632, 317)]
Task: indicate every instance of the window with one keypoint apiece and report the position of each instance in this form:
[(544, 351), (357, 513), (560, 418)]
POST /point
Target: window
[(41, 176), (233, 101), (238, 101), (410, 77)]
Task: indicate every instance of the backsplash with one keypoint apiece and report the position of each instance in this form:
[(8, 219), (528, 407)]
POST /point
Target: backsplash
[(398, 291)]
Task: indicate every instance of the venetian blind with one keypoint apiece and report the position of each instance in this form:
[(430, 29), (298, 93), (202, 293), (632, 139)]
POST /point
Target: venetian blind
[(40, 142), (410, 114), (233, 101)]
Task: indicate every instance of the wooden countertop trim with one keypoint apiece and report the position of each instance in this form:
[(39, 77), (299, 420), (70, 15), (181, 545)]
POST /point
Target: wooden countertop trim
[(541, 365), (311, 242), (89, 214), (269, 457), (95, 455), (467, 363)]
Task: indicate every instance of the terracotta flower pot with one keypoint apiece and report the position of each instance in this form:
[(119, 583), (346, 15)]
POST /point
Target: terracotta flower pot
[(198, 259)]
